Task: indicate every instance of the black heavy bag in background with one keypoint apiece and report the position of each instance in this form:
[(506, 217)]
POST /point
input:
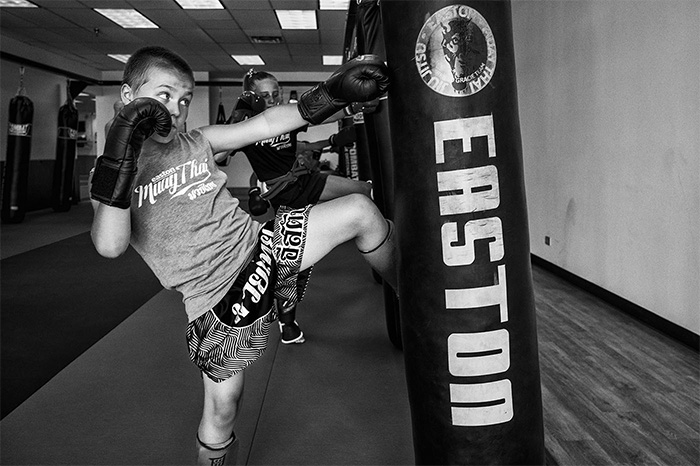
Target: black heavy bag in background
[(66, 146), (370, 40), (221, 120), (19, 145), (361, 153), (466, 296), (347, 155), (221, 115)]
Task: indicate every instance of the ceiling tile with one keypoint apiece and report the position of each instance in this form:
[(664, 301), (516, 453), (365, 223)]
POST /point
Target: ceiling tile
[(294, 4), (58, 3), (209, 15), (333, 36), (41, 17), (234, 5), (228, 35), (85, 17), (239, 49), (252, 19), (154, 5), (301, 37), (229, 24), (170, 18), (107, 3), (10, 21), (304, 49)]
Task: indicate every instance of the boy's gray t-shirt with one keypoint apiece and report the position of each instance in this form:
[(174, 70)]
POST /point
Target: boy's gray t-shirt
[(185, 223)]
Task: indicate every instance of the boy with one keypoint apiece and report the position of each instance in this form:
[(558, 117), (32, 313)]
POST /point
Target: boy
[(160, 191)]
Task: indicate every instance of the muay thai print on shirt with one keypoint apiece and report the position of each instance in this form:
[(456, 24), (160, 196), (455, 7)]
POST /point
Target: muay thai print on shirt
[(191, 179), (186, 225)]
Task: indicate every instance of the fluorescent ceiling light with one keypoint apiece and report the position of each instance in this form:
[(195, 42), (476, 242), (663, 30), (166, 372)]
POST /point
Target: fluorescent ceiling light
[(333, 4), (200, 4), (296, 19), (248, 59), (126, 17), (17, 4), (119, 57), (332, 59)]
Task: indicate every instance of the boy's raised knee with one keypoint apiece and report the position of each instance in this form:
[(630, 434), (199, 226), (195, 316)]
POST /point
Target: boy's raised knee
[(364, 210)]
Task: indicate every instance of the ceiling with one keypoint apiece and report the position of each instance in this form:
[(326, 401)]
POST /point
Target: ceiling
[(71, 29)]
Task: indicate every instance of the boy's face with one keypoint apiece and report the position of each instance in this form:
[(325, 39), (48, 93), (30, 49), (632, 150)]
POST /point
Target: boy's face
[(269, 90), (169, 87)]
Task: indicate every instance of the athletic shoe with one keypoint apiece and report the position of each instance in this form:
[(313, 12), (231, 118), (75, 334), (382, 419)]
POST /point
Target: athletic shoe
[(291, 333)]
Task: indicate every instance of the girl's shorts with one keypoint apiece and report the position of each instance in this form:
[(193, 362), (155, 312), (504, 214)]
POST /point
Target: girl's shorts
[(234, 333)]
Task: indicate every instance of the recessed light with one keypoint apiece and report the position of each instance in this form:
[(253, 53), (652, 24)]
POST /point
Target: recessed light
[(119, 57), (333, 4), (126, 17), (200, 4), (332, 59), (248, 59), (17, 4), (296, 19)]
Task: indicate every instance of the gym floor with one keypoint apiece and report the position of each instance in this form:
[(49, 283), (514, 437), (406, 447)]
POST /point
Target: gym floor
[(614, 390)]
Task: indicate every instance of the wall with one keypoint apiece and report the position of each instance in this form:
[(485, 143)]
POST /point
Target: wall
[(610, 118)]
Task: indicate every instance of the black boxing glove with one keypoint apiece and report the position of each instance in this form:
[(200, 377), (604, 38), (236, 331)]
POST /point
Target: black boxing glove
[(359, 80), (247, 105), (344, 137), (116, 170)]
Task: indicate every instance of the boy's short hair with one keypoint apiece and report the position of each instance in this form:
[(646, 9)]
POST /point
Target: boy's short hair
[(146, 58), (252, 77)]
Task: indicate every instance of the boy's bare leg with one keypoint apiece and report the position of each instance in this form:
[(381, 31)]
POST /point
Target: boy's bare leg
[(337, 186), (352, 217), (215, 435)]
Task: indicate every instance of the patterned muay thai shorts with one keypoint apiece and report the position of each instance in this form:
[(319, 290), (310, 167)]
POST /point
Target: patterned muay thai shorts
[(234, 333)]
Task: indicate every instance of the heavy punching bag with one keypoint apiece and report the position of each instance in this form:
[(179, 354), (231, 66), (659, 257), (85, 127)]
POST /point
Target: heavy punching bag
[(370, 40), (360, 150), (465, 281), (221, 120), (66, 146), (347, 155), (19, 145)]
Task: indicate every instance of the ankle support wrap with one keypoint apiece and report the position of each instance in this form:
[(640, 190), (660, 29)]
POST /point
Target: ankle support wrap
[(386, 238), (217, 446)]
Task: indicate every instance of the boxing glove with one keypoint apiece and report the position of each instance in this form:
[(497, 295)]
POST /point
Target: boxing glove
[(247, 105), (342, 138), (359, 80), (256, 204), (116, 170)]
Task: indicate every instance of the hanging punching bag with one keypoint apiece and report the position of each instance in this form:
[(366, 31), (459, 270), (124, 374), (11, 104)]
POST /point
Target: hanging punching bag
[(66, 144), (360, 154), (466, 296), (221, 115), (370, 40), (19, 145), (221, 120), (347, 155)]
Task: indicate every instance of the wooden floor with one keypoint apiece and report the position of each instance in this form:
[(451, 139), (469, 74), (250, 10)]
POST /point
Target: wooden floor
[(615, 392)]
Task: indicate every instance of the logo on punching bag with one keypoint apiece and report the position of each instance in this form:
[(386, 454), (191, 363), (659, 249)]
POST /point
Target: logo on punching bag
[(456, 51), (17, 129)]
